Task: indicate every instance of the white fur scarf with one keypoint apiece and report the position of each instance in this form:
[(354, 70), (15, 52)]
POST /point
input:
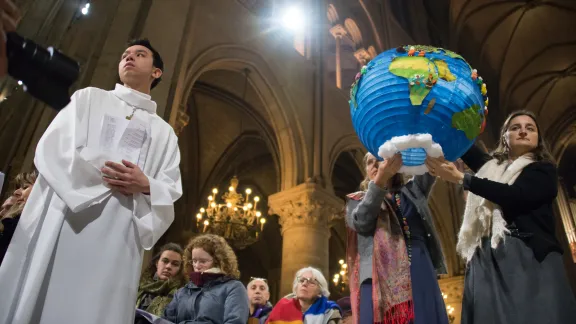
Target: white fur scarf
[(482, 218)]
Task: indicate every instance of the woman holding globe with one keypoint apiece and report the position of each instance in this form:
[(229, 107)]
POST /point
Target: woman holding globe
[(393, 251), (515, 272)]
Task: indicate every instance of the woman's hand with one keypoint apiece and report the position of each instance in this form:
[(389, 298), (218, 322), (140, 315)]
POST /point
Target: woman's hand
[(446, 170), (387, 169)]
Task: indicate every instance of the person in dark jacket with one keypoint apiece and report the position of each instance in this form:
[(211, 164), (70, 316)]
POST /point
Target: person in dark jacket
[(515, 272), (161, 280), (214, 293), (259, 297), (12, 209)]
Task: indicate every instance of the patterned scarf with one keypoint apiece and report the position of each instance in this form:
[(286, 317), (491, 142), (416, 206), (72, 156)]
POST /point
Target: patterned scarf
[(391, 283), (482, 218), (159, 292)]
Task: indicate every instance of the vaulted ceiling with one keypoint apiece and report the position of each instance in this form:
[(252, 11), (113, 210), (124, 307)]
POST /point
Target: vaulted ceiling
[(524, 49)]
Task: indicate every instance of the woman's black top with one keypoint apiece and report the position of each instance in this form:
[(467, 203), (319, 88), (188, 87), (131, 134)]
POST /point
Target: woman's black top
[(526, 204)]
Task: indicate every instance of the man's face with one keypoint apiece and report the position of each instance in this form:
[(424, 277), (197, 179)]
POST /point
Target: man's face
[(136, 66)]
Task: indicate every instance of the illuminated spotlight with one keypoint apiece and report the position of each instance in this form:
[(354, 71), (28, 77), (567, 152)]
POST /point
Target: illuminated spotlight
[(20, 83), (85, 9), (293, 19)]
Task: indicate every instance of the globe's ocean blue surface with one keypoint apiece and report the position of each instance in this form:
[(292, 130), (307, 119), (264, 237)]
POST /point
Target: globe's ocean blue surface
[(400, 92)]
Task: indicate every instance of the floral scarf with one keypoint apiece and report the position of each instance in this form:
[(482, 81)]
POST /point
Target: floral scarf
[(391, 283), (156, 293)]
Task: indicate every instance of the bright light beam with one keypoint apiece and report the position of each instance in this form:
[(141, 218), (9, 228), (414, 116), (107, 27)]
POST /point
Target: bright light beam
[(293, 19)]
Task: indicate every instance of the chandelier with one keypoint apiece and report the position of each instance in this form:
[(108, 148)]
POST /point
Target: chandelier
[(341, 278), (235, 217)]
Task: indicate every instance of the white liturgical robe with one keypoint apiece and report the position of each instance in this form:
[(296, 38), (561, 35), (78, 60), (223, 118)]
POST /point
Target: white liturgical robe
[(77, 251)]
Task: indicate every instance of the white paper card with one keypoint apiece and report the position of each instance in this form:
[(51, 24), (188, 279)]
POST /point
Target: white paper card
[(132, 140), (112, 130), (123, 137)]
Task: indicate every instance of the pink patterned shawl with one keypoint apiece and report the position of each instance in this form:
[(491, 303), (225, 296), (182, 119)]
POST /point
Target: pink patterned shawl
[(391, 284)]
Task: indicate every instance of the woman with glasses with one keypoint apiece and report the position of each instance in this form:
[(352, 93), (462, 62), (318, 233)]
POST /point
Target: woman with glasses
[(259, 295), (161, 280), (308, 302), (214, 293)]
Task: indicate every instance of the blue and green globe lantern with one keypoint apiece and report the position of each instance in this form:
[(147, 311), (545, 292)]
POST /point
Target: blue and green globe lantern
[(418, 100)]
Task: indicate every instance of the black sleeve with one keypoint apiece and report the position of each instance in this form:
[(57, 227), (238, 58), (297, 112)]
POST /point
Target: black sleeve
[(475, 158), (535, 186)]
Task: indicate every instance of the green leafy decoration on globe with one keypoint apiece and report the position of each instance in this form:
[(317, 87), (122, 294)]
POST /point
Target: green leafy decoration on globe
[(444, 71), (469, 121), (410, 67), (422, 74), (424, 48)]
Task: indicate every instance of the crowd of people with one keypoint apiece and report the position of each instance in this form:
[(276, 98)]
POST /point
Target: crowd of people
[(72, 233)]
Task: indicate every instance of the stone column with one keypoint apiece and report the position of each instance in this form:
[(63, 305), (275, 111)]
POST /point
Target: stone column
[(306, 212), (338, 31)]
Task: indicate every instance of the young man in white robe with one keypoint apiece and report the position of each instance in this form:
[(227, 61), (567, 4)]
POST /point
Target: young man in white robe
[(109, 177)]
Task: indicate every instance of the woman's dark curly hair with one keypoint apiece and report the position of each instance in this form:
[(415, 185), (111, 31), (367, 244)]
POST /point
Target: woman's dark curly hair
[(152, 266), (223, 255)]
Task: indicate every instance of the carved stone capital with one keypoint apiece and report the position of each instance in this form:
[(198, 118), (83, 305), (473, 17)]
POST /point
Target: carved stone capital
[(338, 31), (182, 120), (307, 204), (453, 287), (362, 56)]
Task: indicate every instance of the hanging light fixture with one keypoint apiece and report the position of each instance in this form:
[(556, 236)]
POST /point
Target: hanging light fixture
[(235, 217), (341, 278)]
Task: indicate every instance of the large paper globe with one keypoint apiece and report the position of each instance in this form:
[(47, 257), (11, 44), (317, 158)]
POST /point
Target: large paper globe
[(418, 100)]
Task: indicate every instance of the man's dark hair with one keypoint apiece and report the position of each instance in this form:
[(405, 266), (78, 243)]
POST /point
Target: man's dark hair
[(157, 60)]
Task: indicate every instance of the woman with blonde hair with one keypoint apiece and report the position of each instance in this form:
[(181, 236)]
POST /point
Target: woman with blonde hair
[(393, 251), (308, 302), (12, 209), (214, 293), (515, 272)]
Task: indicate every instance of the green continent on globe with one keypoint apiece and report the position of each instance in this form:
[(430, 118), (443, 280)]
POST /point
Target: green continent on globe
[(425, 48), (416, 69), (421, 73), (469, 121)]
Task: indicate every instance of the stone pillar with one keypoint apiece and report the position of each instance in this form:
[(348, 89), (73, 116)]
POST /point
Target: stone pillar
[(306, 212), (338, 31)]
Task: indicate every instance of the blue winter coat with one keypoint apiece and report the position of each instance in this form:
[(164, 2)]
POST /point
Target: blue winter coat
[(221, 301)]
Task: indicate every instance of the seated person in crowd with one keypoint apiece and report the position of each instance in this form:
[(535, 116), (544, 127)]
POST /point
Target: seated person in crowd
[(308, 303), (214, 293), (259, 296), (161, 280), (346, 309), (12, 209)]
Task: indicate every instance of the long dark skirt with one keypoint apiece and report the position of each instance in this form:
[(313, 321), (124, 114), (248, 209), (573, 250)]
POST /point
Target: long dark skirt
[(508, 286), (429, 305)]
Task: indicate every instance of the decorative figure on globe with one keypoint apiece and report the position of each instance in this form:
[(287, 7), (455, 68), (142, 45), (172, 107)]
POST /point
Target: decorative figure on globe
[(418, 100)]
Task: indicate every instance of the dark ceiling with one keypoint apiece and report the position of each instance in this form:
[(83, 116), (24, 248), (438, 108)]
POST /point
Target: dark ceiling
[(525, 50)]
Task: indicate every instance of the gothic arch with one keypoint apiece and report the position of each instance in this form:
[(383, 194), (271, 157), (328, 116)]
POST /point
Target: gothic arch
[(343, 144), (283, 119)]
